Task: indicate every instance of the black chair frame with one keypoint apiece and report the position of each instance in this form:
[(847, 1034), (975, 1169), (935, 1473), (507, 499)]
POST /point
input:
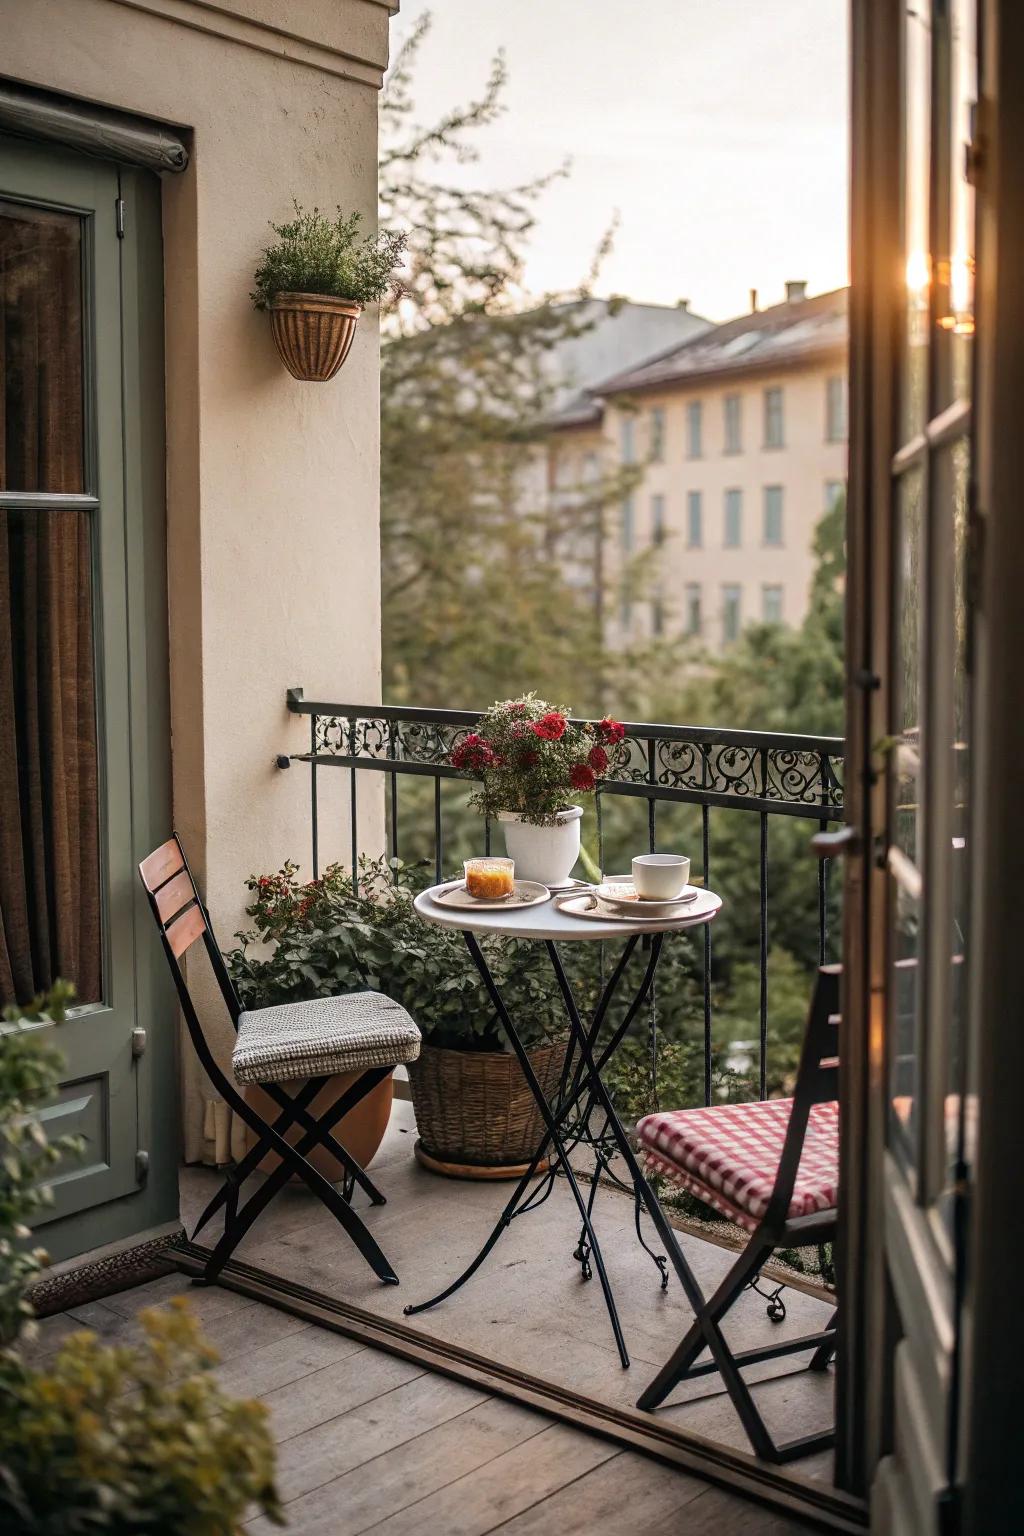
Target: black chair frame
[(817, 1083), (182, 918)]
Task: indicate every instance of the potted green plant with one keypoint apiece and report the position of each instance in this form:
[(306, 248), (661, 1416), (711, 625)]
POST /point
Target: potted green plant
[(100, 1438), (530, 761), (474, 1112), (315, 279)]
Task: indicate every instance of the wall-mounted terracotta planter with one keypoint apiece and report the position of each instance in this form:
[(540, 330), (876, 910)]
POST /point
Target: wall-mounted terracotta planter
[(313, 332)]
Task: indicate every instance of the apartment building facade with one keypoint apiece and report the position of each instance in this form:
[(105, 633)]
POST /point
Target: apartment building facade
[(738, 437)]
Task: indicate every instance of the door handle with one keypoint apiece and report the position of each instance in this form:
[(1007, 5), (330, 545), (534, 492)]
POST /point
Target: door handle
[(832, 845)]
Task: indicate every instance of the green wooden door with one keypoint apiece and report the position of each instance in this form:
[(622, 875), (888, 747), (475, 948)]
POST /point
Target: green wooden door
[(78, 723)]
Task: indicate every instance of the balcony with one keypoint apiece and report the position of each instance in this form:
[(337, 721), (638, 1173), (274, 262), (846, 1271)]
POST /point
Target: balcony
[(745, 805)]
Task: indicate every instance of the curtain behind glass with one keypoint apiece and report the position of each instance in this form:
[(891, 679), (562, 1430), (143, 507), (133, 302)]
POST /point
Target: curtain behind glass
[(49, 838)]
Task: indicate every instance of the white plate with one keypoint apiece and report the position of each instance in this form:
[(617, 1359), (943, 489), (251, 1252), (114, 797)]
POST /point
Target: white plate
[(525, 893), (638, 907), (586, 906)]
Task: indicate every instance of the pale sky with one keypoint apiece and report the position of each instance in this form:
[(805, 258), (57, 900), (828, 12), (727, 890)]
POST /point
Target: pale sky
[(716, 128)]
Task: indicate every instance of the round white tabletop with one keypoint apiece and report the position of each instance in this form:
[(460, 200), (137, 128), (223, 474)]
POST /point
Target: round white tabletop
[(547, 920)]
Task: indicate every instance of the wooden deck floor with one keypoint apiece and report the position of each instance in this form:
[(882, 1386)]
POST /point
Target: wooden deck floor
[(370, 1443), (527, 1307)]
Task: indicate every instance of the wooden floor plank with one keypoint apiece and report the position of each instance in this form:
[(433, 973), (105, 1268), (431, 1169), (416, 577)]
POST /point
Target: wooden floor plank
[(318, 1455), (325, 1394), (259, 1371), (625, 1492), (388, 1484), (231, 1331), (479, 1501), (717, 1513)]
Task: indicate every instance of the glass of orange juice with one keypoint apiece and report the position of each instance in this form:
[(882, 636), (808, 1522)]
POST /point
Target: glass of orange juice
[(490, 879)]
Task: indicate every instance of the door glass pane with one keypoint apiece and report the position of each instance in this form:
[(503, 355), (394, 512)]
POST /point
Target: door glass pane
[(916, 253), (905, 985), (958, 311), (41, 399)]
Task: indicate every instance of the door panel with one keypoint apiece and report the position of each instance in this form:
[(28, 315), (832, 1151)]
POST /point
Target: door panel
[(62, 499)]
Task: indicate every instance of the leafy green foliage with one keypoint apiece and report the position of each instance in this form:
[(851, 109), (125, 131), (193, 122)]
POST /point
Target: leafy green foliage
[(316, 254), (328, 938), (30, 1071), (131, 1440)]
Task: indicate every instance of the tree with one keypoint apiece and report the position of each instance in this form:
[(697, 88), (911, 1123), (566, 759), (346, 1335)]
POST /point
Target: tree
[(475, 600)]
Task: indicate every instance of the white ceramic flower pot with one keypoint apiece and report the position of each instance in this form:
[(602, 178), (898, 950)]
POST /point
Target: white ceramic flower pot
[(545, 854)]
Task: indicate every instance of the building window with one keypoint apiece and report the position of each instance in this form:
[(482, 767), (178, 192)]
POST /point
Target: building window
[(773, 514), (835, 409), (657, 614), (693, 613), (657, 521), (730, 614), (627, 529), (771, 605), (694, 429), (590, 468), (733, 519), (773, 423), (733, 424), (834, 489), (694, 520), (658, 434), (627, 440)]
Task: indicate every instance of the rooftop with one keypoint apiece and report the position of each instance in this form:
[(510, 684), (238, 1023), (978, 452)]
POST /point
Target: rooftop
[(792, 332)]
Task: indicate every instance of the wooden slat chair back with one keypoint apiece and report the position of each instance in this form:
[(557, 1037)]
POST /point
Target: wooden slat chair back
[(182, 919), (817, 1083)]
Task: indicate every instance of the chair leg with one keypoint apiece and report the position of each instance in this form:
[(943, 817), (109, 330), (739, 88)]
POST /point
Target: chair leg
[(353, 1172), (827, 1348), (256, 1153)]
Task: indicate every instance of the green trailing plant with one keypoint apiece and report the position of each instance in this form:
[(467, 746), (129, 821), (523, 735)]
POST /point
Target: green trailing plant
[(531, 758), (317, 254), (30, 1070), (131, 1440)]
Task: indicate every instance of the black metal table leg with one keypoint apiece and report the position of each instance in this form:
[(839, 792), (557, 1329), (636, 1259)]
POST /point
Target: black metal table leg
[(580, 1081)]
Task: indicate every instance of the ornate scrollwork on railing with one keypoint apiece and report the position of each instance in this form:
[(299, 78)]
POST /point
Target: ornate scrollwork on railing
[(786, 774)]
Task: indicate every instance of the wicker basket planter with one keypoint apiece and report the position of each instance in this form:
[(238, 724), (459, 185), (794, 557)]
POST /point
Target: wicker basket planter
[(314, 333), (474, 1111)]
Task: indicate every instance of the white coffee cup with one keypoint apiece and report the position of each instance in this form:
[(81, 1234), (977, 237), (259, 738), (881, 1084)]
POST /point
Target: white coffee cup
[(660, 876)]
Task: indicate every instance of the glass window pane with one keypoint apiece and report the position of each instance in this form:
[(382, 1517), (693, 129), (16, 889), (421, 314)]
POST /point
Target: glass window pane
[(917, 261), (694, 520), (49, 847), (733, 519), (41, 415)]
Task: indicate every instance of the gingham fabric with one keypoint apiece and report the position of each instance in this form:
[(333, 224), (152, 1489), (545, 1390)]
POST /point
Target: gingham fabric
[(728, 1156), (324, 1035)]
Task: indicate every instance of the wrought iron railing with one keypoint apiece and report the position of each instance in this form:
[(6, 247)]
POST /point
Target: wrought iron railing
[(763, 775)]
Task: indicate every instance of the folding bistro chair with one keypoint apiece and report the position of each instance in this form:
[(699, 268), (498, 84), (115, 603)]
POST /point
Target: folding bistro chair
[(772, 1168), (301, 1044)]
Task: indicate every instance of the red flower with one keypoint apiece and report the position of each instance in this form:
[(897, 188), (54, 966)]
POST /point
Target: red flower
[(611, 731), (581, 777), (473, 754), (550, 727), (597, 757)]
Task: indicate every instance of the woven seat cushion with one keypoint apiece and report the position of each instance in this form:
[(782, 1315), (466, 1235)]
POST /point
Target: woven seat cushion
[(728, 1156), (324, 1035)]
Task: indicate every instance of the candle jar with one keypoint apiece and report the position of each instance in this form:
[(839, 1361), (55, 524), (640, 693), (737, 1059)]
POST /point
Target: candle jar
[(490, 879)]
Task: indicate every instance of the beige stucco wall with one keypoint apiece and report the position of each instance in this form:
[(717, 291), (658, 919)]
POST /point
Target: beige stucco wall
[(272, 485), (804, 466)]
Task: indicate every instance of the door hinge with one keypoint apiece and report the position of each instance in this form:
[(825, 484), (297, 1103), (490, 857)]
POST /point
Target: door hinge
[(141, 1166), (138, 1042), (119, 217)]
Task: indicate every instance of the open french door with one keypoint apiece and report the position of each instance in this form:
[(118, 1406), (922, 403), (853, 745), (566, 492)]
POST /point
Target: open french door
[(910, 1116)]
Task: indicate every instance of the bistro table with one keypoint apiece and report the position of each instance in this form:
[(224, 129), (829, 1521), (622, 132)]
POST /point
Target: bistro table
[(582, 1099)]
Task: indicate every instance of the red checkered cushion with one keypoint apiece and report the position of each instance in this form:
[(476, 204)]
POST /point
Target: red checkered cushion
[(728, 1156)]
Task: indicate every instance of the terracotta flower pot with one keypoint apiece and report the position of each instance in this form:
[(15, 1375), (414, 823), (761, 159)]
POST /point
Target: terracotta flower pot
[(360, 1132), (474, 1111), (313, 332)]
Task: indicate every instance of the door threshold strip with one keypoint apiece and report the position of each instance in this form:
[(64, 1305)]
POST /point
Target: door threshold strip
[(782, 1490)]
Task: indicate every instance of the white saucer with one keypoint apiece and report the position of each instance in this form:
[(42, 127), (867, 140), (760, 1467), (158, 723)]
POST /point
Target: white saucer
[(525, 893), (638, 907), (585, 905)]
